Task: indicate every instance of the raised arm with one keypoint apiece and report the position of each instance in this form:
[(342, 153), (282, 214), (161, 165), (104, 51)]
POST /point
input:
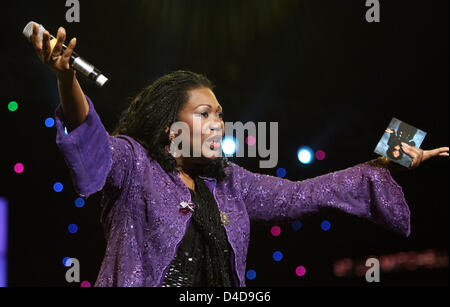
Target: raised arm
[(73, 102), (95, 159)]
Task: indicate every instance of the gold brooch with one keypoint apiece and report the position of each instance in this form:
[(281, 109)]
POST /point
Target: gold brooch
[(224, 218)]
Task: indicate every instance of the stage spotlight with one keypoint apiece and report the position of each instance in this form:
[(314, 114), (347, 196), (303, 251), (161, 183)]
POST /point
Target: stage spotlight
[(305, 155), (4, 217), (229, 146)]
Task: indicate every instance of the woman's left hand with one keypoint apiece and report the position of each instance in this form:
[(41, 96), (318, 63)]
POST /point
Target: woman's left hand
[(418, 155)]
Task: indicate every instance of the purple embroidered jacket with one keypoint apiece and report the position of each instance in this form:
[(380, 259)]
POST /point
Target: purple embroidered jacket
[(141, 218)]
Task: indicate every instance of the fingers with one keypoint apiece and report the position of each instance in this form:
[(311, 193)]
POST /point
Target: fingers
[(411, 149), (68, 53), (46, 46), (61, 37), (35, 39), (442, 151), (415, 153)]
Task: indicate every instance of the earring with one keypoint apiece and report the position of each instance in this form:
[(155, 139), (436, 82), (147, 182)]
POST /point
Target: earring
[(171, 138)]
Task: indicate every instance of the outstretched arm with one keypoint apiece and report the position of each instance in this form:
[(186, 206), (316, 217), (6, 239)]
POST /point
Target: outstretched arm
[(365, 190), (95, 159)]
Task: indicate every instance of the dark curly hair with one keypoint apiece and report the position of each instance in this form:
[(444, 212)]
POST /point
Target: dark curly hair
[(157, 107)]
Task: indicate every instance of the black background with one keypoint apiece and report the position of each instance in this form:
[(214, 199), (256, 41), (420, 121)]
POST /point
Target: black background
[(331, 80)]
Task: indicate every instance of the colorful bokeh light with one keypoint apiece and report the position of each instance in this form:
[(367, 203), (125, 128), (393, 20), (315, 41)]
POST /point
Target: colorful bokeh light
[(326, 225), (73, 228), (300, 271), (281, 172), (79, 202), (58, 187), (251, 274), (19, 168), (67, 261), (277, 256), (49, 122), (275, 231), (250, 140), (296, 225), (13, 106), (320, 155)]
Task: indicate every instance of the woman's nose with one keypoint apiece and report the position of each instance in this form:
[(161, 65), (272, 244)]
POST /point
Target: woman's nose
[(216, 125)]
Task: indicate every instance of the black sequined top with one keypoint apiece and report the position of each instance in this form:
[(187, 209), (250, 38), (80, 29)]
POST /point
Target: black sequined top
[(203, 258)]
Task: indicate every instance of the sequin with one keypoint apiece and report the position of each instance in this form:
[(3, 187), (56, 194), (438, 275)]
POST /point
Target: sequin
[(137, 192), (224, 218)]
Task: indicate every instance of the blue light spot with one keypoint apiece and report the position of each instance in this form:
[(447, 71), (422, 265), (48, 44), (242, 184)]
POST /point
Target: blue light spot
[(305, 155), (296, 225), (277, 256), (79, 202), (251, 274), (67, 261), (58, 187), (281, 172), (65, 131), (73, 228), (325, 225), (49, 122)]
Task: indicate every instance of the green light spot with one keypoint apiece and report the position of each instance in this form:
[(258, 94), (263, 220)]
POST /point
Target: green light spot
[(13, 106)]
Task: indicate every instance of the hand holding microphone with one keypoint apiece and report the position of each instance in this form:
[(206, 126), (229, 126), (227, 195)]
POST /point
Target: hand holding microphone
[(61, 59)]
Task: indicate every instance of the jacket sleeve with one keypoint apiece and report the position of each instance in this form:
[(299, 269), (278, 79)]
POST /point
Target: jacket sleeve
[(95, 159), (364, 190)]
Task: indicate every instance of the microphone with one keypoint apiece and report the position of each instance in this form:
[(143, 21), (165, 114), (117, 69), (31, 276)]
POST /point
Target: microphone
[(76, 62)]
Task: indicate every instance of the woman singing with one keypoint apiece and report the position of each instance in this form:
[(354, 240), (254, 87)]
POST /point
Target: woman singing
[(184, 221)]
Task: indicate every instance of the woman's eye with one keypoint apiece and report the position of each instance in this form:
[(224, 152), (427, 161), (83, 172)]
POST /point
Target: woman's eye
[(221, 115), (204, 114)]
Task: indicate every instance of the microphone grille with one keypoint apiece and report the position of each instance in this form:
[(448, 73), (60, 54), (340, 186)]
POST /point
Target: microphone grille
[(28, 30)]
